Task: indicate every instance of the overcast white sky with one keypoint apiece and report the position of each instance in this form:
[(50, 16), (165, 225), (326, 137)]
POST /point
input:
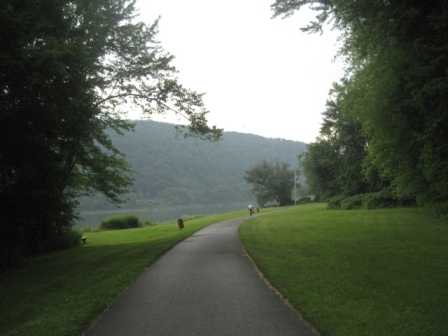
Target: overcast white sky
[(260, 75)]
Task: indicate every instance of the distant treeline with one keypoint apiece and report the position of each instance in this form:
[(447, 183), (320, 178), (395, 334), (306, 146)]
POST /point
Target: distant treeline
[(172, 171)]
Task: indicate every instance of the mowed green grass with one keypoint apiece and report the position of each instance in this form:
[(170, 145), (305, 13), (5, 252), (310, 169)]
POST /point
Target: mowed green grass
[(381, 272), (62, 293), (366, 272)]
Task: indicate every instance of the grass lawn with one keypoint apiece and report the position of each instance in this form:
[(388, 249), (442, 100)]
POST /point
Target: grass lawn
[(360, 272), (369, 272), (62, 293)]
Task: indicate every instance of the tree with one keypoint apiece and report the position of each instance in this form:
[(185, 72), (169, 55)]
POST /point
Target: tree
[(271, 182), (396, 61), (337, 163), (320, 164), (334, 165), (69, 71)]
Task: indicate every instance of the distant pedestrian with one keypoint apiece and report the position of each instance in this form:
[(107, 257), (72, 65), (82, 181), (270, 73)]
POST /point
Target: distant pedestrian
[(251, 209)]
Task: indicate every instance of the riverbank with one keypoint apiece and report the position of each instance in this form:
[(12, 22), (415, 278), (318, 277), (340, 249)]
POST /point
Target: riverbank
[(159, 215)]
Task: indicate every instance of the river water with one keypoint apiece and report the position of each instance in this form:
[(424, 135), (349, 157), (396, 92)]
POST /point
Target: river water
[(156, 215)]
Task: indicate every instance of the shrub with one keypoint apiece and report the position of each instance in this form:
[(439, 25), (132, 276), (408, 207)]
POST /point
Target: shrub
[(334, 203), (378, 200), (120, 222), (437, 209), (352, 203), (381, 199), (407, 201), (11, 258), (67, 239)]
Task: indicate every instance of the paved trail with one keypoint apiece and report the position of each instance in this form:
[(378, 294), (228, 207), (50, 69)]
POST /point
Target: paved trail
[(206, 285)]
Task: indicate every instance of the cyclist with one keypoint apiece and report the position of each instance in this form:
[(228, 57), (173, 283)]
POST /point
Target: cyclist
[(251, 209)]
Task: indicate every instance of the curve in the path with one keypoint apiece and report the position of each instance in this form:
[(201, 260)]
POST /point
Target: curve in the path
[(205, 285)]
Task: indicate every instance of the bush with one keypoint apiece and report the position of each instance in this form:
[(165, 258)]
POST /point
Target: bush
[(378, 200), (381, 199), (68, 239), (334, 203), (437, 209), (407, 201), (11, 258), (353, 202), (120, 222), (13, 255)]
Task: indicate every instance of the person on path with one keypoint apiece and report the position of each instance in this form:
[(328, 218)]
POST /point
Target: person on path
[(251, 209)]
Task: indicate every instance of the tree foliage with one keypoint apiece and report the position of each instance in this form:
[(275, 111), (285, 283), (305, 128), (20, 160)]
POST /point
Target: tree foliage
[(396, 54), (272, 182), (336, 163), (69, 70)]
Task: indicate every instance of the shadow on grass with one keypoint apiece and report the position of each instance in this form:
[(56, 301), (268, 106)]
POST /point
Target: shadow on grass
[(62, 293)]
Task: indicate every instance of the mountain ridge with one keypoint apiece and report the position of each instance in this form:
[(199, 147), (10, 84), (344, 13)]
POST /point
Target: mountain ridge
[(173, 171)]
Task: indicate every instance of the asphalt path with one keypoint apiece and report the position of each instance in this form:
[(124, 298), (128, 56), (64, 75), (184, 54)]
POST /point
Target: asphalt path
[(205, 285)]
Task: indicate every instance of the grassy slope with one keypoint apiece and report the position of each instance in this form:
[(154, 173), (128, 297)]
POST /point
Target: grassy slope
[(381, 272), (62, 293)]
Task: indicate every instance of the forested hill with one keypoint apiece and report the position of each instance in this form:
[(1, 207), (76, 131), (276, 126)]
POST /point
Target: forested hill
[(173, 171)]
